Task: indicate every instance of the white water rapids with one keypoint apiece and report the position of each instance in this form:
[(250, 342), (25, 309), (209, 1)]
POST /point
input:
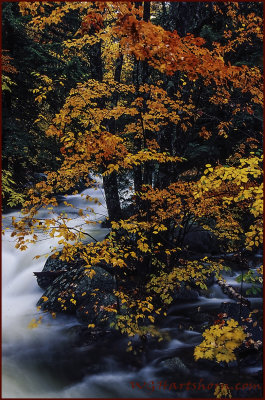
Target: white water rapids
[(31, 363), (24, 376), (28, 355)]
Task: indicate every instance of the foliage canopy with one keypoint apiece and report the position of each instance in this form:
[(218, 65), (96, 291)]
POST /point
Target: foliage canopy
[(176, 113)]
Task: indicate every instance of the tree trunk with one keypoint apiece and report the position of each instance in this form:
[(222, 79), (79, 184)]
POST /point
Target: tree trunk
[(142, 175), (110, 182), (112, 196)]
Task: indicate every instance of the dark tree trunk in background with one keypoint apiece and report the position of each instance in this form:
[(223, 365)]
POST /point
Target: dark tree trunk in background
[(142, 175), (112, 196), (117, 78), (110, 182), (96, 68), (137, 142), (146, 16)]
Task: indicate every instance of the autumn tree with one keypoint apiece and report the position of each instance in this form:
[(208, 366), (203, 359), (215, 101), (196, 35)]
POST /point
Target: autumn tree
[(177, 114)]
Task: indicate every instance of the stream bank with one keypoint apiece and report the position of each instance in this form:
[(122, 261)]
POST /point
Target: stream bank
[(61, 358), (192, 312)]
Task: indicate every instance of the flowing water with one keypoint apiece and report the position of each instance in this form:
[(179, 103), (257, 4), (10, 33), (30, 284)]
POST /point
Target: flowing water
[(42, 363)]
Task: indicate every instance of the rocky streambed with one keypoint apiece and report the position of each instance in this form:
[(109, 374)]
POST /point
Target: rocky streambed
[(51, 353), (95, 348)]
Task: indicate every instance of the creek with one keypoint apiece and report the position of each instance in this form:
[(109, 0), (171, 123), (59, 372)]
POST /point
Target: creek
[(44, 363)]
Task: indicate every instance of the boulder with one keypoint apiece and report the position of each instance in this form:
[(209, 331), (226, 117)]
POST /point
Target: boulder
[(175, 365), (70, 290), (45, 278)]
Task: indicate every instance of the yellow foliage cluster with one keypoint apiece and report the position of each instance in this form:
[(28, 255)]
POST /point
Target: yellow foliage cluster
[(198, 271), (139, 314), (222, 391), (9, 190), (237, 189), (46, 85), (242, 28), (220, 341)]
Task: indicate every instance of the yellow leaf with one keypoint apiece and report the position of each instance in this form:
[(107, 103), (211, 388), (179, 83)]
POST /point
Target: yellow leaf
[(151, 318)]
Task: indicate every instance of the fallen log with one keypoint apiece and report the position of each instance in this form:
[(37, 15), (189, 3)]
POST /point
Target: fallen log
[(232, 293)]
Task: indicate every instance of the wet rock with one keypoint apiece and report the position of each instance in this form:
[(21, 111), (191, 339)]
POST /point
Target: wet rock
[(45, 278), (175, 365), (94, 311), (81, 336), (91, 300), (55, 264)]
